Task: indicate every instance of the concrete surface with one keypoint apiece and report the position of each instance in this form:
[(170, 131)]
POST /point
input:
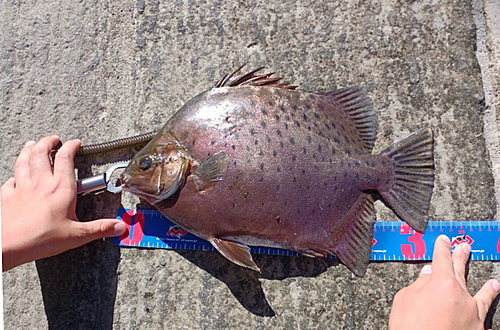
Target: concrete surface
[(102, 70)]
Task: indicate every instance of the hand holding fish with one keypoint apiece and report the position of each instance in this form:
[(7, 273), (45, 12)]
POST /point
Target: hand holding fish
[(38, 206), (439, 299)]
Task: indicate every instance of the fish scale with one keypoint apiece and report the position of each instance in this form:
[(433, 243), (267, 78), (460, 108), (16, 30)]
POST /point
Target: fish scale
[(256, 162)]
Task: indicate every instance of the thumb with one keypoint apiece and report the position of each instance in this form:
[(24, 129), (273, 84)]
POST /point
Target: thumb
[(485, 297), (92, 230)]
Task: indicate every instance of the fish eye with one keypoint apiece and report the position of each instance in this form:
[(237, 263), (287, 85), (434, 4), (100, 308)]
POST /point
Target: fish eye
[(145, 164)]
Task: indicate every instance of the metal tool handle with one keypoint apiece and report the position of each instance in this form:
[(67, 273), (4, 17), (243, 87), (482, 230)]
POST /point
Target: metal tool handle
[(92, 184)]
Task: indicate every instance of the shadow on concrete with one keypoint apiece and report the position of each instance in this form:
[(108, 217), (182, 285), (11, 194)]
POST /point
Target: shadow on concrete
[(245, 284), (79, 286)]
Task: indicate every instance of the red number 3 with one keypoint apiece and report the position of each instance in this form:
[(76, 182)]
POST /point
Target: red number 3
[(415, 250), (134, 220)]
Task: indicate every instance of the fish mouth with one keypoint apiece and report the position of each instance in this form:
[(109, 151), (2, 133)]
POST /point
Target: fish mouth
[(124, 179)]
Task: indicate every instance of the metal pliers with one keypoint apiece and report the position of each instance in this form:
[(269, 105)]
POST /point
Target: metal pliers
[(100, 182)]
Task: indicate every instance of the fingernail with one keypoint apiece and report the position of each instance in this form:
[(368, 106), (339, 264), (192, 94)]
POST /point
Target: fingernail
[(119, 229), (29, 143), (496, 285), (445, 238), (466, 248), (427, 269)]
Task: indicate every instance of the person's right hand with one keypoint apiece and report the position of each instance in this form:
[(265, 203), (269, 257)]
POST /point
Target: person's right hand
[(439, 299)]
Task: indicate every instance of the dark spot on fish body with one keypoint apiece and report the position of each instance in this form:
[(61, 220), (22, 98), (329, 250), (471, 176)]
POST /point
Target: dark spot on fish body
[(277, 117), (319, 148), (374, 164), (262, 204), (294, 158), (304, 151), (294, 179), (303, 171), (261, 153), (341, 163), (212, 142), (261, 179), (233, 146), (278, 187), (261, 166), (234, 163), (286, 126), (275, 153), (307, 187), (327, 126), (316, 168), (337, 141), (256, 142), (297, 123), (264, 112), (309, 139), (320, 133), (278, 169), (282, 108), (252, 103), (263, 124), (333, 151), (316, 115), (305, 117), (346, 139), (247, 148), (348, 152), (309, 128), (314, 155), (294, 107), (281, 144), (279, 133), (278, 220), (271, 103), (236, 136), (252, 131), (234, 204), (292, 141)]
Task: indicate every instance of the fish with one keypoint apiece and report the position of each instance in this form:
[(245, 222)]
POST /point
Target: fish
[(255, 161)]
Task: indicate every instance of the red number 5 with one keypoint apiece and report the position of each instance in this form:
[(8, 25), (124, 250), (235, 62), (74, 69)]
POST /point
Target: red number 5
[(415, 250), (134, 220)]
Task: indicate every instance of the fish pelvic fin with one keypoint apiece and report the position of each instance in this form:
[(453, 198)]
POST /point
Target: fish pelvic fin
[(235, 252), (413, 182), (358, 107), (210, 171), (354, 245)]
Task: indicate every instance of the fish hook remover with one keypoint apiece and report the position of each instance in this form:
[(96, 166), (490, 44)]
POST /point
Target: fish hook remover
[(100, 182)]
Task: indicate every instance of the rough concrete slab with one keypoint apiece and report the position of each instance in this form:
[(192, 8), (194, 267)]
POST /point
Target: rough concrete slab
[(99, 71)]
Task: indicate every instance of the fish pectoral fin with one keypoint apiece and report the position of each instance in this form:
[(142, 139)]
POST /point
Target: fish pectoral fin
[(236, 252), (210, 171)]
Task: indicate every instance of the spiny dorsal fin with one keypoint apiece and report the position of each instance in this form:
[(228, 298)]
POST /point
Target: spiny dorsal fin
[(251, 79), (354, 102)]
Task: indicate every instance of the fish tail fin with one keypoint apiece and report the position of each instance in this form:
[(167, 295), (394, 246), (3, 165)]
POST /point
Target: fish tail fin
[(413, 181)]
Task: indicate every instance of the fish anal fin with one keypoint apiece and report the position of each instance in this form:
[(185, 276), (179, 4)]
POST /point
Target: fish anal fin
[(250, 78), (358, 107), (210, 171), (235, 252), (354, 245)]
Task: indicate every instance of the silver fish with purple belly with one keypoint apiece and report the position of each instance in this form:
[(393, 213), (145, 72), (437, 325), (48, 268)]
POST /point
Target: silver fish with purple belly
[(256, 162)]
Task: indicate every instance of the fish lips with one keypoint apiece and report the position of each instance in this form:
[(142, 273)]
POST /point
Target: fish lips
[(151, 198)]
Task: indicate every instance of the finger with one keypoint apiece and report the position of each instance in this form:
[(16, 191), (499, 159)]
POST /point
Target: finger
[(8, 188), (85, 232), (485, 297), (39, 160), (64, 166), (442, 263), (460, 258), (22, 170), (423, 278)]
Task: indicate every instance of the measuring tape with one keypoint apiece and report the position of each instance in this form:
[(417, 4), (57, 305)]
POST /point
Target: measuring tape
[(392, 240)]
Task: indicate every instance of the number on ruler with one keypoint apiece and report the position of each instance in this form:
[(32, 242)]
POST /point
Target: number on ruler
[(417, 247), (134, 221)]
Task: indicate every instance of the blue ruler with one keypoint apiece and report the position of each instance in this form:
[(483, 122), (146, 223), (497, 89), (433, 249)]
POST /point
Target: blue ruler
[(392, 240)]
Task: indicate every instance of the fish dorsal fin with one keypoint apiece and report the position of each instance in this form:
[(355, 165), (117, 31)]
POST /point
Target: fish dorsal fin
[(355, 244), (235, 252), (354, 102), (250, 78)]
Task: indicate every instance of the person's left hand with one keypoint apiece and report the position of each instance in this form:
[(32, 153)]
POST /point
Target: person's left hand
[(38, 206)]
